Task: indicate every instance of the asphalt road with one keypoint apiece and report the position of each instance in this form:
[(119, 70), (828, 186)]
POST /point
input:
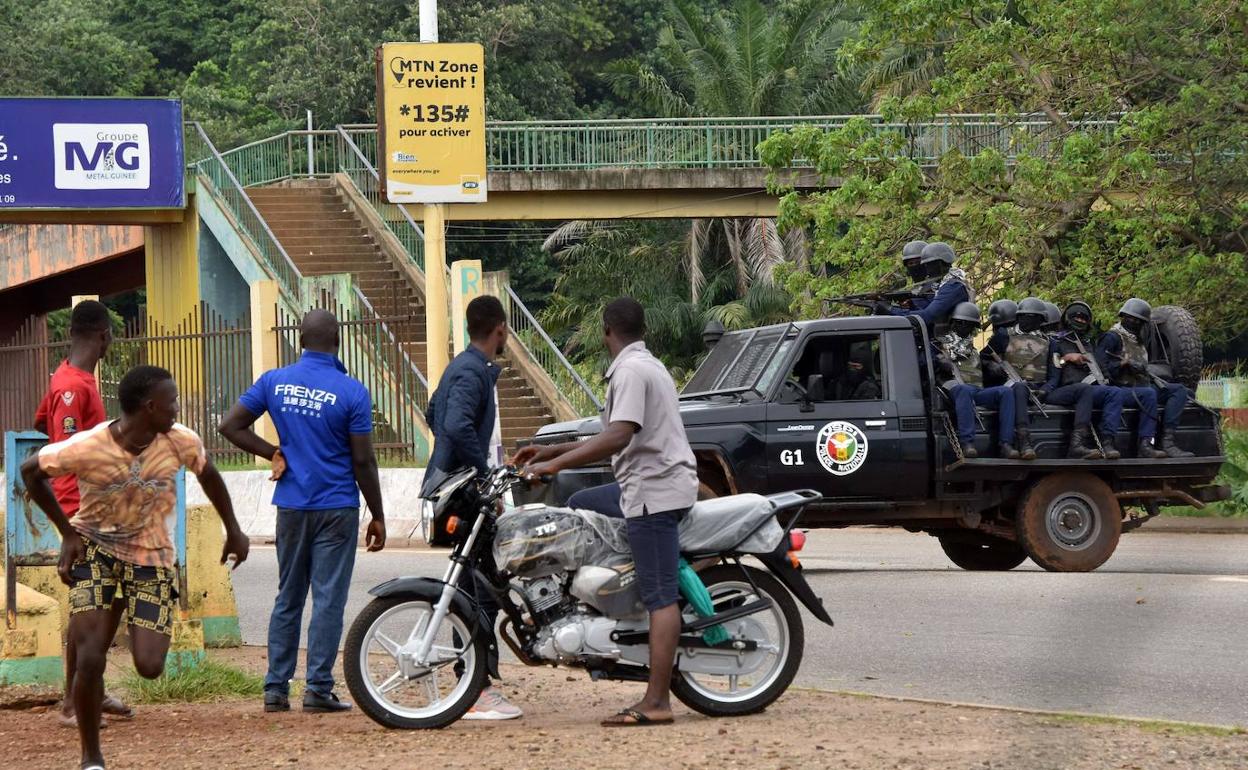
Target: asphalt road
[(1158, 632)]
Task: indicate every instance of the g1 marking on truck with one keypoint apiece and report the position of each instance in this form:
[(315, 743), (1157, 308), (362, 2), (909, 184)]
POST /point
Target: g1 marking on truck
[(841, 448), (791, 457)]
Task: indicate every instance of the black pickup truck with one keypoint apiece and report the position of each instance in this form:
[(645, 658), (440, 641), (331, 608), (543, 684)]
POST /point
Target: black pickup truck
[(769, 410)]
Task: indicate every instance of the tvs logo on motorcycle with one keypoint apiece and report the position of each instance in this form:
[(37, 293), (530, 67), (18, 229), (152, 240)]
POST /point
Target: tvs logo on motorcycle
[(841, 448)]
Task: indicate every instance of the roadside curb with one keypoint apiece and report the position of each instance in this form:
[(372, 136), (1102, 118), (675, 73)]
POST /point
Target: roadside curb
[(1231, 729), (1196, 525)]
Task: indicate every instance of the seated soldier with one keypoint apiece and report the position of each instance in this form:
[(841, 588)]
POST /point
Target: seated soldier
[(1072, 381), (958, 362), (858, 382), (1124, 359), (1002, 314)]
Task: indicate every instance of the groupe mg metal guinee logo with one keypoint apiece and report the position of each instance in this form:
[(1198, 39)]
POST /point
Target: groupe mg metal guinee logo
[(841, 448), (101, 156)]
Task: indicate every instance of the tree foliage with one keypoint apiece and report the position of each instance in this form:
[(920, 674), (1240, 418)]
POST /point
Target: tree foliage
[(1149, 203)]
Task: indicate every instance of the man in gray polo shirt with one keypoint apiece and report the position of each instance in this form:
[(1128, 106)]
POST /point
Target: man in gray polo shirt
[(652, 461)]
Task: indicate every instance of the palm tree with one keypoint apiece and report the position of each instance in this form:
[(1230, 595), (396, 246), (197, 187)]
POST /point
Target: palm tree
[(746, 61)]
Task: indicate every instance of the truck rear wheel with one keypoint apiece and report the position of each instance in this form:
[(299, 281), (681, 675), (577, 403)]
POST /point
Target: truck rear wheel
[(1069, 522), (983, 554)]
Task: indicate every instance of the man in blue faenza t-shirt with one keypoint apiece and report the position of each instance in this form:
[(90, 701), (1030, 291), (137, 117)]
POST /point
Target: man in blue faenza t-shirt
[(324, 462)]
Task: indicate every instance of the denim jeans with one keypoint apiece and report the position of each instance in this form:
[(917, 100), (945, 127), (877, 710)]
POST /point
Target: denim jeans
[(315, 549), (1003, 398)]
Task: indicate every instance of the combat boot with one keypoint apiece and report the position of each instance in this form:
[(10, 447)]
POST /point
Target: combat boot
[(969, 452), (1147, 451), (1081, 446), (1108, 447), (1172, 449), (1006, 451), (1022, 439)]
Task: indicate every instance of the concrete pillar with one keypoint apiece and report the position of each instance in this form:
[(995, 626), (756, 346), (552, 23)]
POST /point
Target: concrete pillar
[(31, 653), (209, 586), (437, 329), (264, 341), (466, 285)]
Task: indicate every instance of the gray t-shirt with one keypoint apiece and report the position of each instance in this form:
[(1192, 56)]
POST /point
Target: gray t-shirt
[(656, 471)]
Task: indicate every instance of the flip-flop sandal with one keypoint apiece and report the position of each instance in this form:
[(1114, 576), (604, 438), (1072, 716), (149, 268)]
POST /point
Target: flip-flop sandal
[(113, 708), (72, 721), (637, 718)]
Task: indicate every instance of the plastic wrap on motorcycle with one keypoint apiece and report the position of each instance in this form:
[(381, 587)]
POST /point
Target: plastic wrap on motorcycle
[(740, 523)]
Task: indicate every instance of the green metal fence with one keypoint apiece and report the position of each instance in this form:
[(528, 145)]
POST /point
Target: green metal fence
[(651, 143)]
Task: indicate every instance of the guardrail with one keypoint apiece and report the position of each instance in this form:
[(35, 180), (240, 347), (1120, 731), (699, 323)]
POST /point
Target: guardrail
[(363, 174), (546, 354), (661, 142), (211, 167)]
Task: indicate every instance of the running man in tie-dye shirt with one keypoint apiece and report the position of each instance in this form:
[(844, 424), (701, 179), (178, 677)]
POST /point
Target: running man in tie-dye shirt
[(117, 556)]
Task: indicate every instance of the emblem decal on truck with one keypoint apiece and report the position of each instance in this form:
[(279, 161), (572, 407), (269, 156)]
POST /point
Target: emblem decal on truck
[(841, 448)]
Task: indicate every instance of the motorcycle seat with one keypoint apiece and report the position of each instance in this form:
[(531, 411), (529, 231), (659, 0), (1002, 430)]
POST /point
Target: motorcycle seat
[(722, 523)]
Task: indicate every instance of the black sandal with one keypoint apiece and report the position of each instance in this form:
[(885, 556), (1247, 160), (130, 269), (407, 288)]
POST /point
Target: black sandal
[(638, 719)]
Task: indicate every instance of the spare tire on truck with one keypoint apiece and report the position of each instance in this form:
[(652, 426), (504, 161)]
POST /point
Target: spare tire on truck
[(1180, 335)]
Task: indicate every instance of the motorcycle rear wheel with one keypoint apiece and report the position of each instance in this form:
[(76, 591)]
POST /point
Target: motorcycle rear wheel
[(723, 696), (433, 698)]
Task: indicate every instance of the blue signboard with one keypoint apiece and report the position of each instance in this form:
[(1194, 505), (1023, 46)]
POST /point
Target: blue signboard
[(91, 154)]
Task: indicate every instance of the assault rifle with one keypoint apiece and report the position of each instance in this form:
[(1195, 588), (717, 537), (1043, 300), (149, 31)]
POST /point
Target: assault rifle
[(868, 299), (1013, 376)]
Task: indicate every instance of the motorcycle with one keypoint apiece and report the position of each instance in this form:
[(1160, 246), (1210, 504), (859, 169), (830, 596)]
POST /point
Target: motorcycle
[(417, 655)]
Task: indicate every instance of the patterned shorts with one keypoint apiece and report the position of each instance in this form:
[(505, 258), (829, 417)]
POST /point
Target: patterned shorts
[(148, 592)]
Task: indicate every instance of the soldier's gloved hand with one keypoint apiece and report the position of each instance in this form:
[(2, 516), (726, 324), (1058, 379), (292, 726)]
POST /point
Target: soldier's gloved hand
[(882, 308), (994, 370)]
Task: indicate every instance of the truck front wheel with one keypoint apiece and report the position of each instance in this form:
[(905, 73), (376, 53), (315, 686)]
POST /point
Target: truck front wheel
[(1069, 522), (984, 554)]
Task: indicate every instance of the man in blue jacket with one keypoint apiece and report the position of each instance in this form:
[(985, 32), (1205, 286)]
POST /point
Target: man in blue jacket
[(461, 415)]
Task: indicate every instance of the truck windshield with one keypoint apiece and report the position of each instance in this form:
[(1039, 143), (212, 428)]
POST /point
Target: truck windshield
[(742, 361)]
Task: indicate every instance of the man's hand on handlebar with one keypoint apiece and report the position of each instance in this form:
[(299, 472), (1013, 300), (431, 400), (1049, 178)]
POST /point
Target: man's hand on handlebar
[(541, 473)]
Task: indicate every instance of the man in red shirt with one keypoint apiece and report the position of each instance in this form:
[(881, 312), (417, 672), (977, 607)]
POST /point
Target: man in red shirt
[(73, 405)]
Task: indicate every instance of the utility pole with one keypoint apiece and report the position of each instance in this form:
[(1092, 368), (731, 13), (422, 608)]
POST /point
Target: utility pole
[(437, 322)]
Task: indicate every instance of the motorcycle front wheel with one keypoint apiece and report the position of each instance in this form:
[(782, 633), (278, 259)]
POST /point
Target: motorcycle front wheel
[(387, 683), (767, 672)]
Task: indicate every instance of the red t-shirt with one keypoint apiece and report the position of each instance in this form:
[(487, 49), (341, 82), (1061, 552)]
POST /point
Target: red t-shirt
[(72, 404)]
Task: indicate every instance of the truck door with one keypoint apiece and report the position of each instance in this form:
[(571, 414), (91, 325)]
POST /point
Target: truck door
[(838, 432)]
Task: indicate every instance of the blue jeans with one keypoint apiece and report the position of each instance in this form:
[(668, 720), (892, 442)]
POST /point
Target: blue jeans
[(315, 549), (655, 542), (1085, 397), (1143, 397), (604, 499), (1003, 398)]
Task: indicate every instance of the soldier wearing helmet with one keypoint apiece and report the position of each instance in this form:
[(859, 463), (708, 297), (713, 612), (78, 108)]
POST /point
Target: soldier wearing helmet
[(959, 366), (1123, 357), (1022, 349), (951, 289), (1075, 379), (1052, 319)]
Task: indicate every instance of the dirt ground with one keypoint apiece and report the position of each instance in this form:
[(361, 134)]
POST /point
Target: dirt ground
[(559, 730)]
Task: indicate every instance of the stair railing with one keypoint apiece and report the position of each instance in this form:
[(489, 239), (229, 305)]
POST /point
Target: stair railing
[(223, 185)]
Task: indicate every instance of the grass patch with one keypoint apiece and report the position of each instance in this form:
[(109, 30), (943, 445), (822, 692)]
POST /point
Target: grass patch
[(1157, 726), (210, 681)]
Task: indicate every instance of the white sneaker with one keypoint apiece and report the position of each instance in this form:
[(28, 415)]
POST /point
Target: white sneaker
[(492, 706)]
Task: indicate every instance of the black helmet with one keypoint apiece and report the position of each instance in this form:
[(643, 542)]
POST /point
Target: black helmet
[(1077, 307), (1032, 306), (966, 311), (1003, 312), (1137, 308), (1052, 315), (912, 250), (938, 251)]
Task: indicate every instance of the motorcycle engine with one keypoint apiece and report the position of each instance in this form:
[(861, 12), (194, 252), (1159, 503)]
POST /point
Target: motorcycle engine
[(546, 599), (576, 636)]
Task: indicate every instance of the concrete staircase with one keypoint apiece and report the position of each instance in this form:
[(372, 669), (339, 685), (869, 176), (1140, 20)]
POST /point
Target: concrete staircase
[(322, 234)]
